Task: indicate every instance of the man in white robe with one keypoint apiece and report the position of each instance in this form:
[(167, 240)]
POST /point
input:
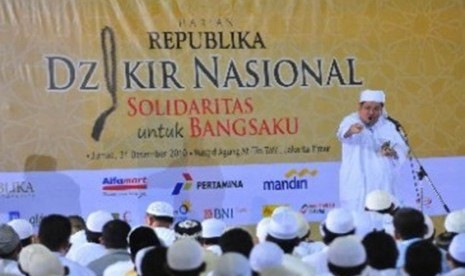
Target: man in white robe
[(373, 151)]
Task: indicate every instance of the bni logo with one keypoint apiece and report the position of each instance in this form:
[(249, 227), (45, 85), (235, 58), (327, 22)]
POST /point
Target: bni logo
[(186, 185), (218, 213)]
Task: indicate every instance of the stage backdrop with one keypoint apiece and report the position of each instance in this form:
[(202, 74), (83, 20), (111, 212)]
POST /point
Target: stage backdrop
[(224, 108)]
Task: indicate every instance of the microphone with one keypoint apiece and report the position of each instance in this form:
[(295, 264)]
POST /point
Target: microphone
[(399, 128), (395, 122)]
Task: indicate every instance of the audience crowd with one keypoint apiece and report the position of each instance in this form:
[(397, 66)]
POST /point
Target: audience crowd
[(385, 239)]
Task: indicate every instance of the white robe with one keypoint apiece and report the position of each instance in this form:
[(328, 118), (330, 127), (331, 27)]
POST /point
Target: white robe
[(363, 168)]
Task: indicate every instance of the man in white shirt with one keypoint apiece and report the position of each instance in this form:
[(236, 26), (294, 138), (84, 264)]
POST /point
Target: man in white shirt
[(92, 249), (10, 246), (212, 229), (409, 227), (338, 223), (54, 233), (456, 256), (160, 216), (372, 151)]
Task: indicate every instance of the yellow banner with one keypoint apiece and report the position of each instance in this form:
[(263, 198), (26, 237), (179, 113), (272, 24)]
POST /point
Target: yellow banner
[(121, 84)]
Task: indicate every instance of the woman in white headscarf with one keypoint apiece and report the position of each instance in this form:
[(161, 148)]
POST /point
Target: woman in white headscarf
[(372, 151)]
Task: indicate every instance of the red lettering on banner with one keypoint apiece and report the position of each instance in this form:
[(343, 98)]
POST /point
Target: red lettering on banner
[(181, 107), (243, 127)]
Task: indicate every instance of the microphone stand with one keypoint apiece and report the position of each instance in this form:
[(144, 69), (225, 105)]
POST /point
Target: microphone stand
[(421, 173)]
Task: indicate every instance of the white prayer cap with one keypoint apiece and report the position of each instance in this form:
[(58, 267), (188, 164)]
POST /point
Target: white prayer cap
[(262, 229), (38, 260), (339, 221), (160, 209), (266, 255), (23, 227), (212, 228), (347, 251), (232, 263), (284, 225), (188, 228), (372, 96), (96, 220), (366, 222), (304, 228), (429, 227), (185, 254), (457, 248), (378, 200), (455, 222), (9, 239), (282, 208)]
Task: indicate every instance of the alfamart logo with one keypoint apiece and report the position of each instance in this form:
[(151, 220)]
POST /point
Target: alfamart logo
[(293, 181), (124, 184), (206, 185)]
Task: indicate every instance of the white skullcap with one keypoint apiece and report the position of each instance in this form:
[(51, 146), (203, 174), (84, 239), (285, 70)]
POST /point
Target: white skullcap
[(266, 255), (23, 227), (378, 200), (455, 222), (366, 222), (372, 96), (262, 229), (339, 221), (347, 251), (212, 228), (232, 263), (304, 228), (284, 225), (38, 260), (96, 220), (160, 209), (282, 208), (429, 227), (185, 254), (9, 239), (457, 248), (189, 228)]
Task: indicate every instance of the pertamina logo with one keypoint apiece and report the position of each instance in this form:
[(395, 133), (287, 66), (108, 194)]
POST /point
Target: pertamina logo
[(293, 181), (186, 185), (206, 184), (124, 186)]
